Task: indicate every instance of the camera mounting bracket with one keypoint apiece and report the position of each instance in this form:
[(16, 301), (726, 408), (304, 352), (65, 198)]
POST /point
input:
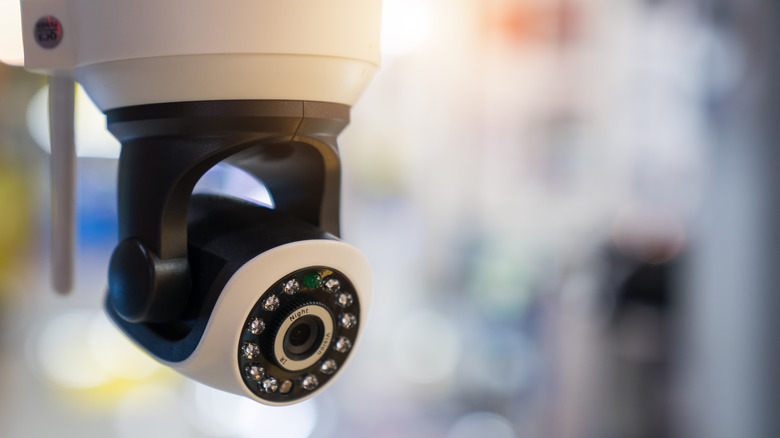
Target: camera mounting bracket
[(166, 148)]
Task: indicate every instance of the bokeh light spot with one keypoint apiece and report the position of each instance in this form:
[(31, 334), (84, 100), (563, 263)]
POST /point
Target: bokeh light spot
[(426, 348)]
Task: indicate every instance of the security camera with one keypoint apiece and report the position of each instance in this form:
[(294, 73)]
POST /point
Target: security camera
[(262, 302), (265, 303)]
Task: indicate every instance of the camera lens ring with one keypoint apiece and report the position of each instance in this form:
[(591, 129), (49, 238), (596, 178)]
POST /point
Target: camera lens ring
[(258, 363), (318, 346)]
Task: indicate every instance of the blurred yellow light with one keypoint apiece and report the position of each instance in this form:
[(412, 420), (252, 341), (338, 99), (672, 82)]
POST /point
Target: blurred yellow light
[(16, 225), (115, 355), (81, 352), (63, 355), (11, 48)]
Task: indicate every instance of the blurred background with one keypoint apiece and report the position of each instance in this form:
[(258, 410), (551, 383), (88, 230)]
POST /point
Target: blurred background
[(569, 206)]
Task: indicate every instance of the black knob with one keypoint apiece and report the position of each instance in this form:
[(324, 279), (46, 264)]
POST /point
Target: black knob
[(144, 288)]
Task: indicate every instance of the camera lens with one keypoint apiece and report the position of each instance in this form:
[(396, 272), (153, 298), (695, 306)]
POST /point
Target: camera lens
[(303, 337), (299, 336), (304, 333)]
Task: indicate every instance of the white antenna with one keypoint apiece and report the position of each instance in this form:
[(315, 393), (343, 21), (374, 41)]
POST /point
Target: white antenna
[(63, 181)]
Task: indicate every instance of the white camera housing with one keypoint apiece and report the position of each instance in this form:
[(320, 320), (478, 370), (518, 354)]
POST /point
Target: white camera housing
[(265, 86), (138, 52)]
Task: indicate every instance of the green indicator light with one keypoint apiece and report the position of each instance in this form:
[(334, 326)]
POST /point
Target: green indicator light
[(312, 280)]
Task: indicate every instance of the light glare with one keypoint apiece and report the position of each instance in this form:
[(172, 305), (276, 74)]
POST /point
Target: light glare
[(482, 424), (115, 355), (405, 26), (11, 47), (63, 351), (92, 136), (218, 413)]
